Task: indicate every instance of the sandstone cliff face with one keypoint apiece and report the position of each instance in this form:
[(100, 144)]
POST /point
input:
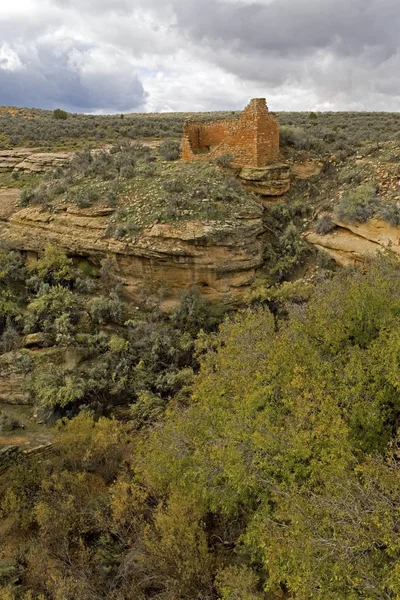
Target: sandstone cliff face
[(22, 159), (219, 257), (272, 180), (353, 243)]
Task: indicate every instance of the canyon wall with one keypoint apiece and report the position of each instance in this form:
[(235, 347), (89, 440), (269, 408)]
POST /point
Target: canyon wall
[(221, 258)]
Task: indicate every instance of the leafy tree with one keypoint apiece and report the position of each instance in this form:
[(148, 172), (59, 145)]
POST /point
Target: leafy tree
[(54, 311), (278, 438), (60, 115), (54, 267), (339, 543)]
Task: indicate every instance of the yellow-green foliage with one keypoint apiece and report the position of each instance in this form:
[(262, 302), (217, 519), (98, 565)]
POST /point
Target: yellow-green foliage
[(280, 420), (278, 479), (54, 265)]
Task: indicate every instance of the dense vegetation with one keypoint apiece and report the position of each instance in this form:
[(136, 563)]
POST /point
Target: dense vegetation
[(279, 477), (120, 355)]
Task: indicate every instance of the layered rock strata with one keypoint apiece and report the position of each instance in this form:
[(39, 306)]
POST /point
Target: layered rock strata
[(32, 162), (271, 180), (221, 258), (353, 243)]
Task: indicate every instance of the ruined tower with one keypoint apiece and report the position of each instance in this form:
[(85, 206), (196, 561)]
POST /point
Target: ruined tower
[(252, 140)]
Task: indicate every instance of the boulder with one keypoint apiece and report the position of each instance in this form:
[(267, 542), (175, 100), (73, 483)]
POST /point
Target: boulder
[(345, 247), (37, 339), (354, 243)]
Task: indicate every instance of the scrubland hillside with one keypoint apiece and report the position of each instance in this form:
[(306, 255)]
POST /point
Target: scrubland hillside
[(211, 377)]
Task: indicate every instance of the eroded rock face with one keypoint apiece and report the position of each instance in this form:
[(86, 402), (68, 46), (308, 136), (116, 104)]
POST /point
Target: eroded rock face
[(271, 180), (11, 388), (353, 243), (221, 258), (345, 247), (12, 380), (307, 169), (33, 162)]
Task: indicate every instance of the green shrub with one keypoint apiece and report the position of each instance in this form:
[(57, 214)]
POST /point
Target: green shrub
[(8, 423), (27, 196), (38, 195), (290, 252), (54, 311), (147, 408), (358, 205), (176, 184), (9, 340), (292, 136), (112, 198), (58, 188), (391, 213), (60, 115), (12, 267), (87, 197), (107, 309), (355, 176), (55, 387), (54, 267), (194, 312), (170, 150), (324, 225), (224, 161)]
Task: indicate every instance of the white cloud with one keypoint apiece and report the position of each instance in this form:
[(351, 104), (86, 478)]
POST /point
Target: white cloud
[(9, 59)]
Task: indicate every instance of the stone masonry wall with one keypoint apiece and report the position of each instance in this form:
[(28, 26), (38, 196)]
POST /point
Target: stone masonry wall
[(253, 139)]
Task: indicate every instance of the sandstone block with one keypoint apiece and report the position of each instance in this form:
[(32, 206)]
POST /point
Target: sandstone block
[(271, 180)]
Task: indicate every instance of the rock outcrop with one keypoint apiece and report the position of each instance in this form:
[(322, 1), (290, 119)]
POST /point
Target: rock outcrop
[(23, 159), (12, 380), (353, 243), (220, 257), (11, 388), (307, 169), (271, 180)]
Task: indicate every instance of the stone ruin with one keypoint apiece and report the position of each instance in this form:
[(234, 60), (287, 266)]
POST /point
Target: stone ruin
[(252, 140)]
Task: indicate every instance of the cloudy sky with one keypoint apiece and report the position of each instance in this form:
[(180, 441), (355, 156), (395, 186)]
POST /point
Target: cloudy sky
[(180, 55)]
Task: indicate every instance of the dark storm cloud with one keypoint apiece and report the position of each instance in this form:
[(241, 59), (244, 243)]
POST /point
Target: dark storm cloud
[(294, 28), (49, 79)]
